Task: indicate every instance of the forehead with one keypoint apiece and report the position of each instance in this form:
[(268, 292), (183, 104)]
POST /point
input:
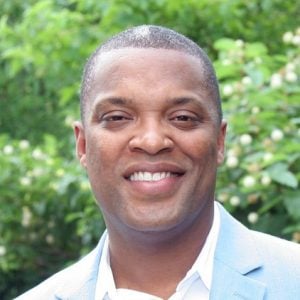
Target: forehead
[(148, 65)]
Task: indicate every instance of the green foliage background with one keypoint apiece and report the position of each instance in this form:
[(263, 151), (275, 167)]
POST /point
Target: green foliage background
[(48, 217)]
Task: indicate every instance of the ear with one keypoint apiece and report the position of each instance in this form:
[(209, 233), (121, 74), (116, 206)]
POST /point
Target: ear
[(221, 142), (80, 143)]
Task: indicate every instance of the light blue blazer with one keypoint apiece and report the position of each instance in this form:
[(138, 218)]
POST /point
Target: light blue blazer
[(247, 265)]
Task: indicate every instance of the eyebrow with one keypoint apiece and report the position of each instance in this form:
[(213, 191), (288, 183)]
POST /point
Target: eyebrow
[(118, 101), (186, 100)]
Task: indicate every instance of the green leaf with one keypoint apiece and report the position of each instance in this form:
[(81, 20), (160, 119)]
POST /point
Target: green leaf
[(280, 173), (255, 50), (292, 203), (224, 44)]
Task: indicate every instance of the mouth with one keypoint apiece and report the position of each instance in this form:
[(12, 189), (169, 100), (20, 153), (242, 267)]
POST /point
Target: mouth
[(152, 176), (149, 180)]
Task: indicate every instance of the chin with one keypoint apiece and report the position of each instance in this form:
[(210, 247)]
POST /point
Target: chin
[(157, 223)]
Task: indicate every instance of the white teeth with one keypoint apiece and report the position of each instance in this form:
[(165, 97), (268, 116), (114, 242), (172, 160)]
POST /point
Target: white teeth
[(156, 177), (140, 176), (147, 176)]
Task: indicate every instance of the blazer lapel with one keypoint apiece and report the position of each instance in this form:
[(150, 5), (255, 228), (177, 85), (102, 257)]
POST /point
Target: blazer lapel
[(228, 284), (235, 259), (83, 279)]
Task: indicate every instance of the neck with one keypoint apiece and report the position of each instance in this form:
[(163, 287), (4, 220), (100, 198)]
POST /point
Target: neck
[(156, 261)]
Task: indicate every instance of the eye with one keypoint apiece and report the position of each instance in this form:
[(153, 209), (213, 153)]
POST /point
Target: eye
[(115, 119), (185, 119)]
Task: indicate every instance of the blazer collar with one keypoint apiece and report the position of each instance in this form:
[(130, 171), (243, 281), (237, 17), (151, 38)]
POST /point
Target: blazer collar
[(83, 277), (236, 257)]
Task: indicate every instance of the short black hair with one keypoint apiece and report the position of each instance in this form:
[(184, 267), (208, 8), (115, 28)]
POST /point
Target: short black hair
[(151, 36)]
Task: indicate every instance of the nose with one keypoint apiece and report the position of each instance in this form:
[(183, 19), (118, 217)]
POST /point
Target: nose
[(151, 137)]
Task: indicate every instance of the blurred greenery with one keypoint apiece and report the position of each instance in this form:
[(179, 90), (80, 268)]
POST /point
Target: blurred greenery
[(47, 213)]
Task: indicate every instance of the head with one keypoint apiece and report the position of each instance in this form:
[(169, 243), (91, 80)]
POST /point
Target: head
[(152, 135)]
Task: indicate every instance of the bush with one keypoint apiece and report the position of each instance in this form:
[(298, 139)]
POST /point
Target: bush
[(48, 216), (259, 181)]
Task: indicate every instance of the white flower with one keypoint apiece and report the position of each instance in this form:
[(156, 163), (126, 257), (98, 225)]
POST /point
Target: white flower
[(38, 154), (232, 162), (233, 152), (235, 201), (2, 250), (290, 67), (265, 180), (255, 110), (296, 40), (249, 181), (226, 62), (223, 197), (50, 239), (253, 217), (246, 80), (25, 181), (239, 43), (245, 139), (291, 76), (8, 149), (288, 37), (227, 90), (26, 216), (268, 156), (24, 144), (276, 81), (276, 135), (37, 172)]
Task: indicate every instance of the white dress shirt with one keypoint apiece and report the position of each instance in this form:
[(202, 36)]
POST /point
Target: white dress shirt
[(194, 286)]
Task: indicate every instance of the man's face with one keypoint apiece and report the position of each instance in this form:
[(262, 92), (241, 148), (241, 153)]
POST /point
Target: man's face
[(151, 142)]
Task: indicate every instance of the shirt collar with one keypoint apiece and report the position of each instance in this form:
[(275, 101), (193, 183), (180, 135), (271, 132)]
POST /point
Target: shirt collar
[(105, 281), (202, 267)]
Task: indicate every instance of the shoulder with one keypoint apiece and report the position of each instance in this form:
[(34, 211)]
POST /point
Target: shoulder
[(242, 253), (280, 270), (70, 280), (241, 247), (239, 239), (279, 252)]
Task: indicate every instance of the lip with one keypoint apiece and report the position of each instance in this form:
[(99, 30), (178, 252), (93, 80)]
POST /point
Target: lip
[(153, 168)]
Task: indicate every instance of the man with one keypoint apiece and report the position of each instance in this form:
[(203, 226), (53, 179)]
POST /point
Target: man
[(151, 138)]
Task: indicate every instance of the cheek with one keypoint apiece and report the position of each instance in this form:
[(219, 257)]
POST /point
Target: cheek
[(200, 148), (103, 153), (99, 153)]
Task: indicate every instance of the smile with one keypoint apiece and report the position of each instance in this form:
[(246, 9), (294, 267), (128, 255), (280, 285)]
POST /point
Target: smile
[(148, 176)]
